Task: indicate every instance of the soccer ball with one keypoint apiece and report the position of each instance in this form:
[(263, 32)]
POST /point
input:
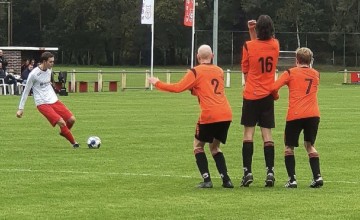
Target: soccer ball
[(94, 142)]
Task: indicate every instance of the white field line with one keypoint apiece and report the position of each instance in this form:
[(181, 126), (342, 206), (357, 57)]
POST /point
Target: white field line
[(135, 174)]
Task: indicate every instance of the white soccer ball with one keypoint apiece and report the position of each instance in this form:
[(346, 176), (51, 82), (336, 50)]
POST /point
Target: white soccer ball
[(93, 142)]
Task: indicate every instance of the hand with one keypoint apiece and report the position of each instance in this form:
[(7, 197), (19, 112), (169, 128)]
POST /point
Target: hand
[(19, 113), (153, 80), (251, 24), (275, 95)]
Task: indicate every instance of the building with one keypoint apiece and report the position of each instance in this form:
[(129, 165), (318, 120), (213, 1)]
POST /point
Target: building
[(16, 55)]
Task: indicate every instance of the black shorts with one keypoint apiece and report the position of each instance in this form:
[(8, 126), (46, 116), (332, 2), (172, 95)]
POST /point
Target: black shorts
[(294, 128), (258, 112), (217, 130)]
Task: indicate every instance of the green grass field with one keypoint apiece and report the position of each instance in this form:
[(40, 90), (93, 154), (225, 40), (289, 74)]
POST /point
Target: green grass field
[(145, 168)]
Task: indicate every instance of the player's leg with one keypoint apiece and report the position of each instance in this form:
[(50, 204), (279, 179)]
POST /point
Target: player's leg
[(266, 123), (202, 164), (248, 119), (200, 156), (55, 119), (292, 133), (69, 120), (310, 133), (220, 135)]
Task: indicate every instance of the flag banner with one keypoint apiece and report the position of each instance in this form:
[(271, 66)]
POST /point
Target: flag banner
[(147, 13), (189, 13)]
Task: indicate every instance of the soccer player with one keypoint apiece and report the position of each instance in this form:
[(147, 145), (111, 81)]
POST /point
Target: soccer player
[(303, 114), (259, 60), (206, 81), (46, 100)]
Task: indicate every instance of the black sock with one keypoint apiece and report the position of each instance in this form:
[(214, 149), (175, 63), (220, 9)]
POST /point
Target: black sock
[(202, 164), (315, 166), (269, 154), (247, 153), (221, 166), (290, 166)]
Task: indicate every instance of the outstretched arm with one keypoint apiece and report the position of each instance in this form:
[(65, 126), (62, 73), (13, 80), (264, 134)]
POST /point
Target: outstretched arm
[(185, 83)]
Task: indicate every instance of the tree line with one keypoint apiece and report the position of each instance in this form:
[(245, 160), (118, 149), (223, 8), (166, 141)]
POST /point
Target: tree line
[(107, 32)]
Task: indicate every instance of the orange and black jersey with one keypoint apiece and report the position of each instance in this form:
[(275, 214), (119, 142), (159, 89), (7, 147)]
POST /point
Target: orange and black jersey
[(303, 83), (259, 61), (206, 81)]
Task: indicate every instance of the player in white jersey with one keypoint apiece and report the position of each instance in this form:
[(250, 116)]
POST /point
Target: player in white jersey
[(46, 100)]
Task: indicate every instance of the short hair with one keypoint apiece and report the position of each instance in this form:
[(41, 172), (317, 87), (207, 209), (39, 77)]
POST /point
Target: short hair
[(304, 56), (264, 27), (45, 56)]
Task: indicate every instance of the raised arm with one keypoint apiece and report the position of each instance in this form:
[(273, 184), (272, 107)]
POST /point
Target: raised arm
[(252, 31)]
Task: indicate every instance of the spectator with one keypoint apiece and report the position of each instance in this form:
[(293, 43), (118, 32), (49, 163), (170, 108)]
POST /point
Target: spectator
[(26, 72), (9, 79), (3, 61), (25, 64)]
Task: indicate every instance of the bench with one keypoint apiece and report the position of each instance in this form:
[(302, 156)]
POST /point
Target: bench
[(83, 85)]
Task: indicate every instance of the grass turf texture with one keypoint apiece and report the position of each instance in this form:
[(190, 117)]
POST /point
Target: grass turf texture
[(145, 168)]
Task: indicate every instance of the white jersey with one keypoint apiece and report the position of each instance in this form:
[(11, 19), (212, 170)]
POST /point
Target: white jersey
[(40, 82)]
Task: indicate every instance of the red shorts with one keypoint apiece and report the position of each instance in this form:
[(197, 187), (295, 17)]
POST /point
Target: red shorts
[(54, 112)]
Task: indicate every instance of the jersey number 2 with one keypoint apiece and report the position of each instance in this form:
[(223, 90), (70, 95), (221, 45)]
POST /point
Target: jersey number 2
[(215, 83)]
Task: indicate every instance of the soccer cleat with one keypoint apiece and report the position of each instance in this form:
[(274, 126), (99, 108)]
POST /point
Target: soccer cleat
[(227, 184), (76, 145), (247, 180), (317, 183), (270, 180), (205, 185), (291, 184)]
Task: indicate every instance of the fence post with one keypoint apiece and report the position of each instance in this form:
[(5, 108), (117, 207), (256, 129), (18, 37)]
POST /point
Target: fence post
[(147, 75), (73, 82), (100, 81), (228, 78), (168, 76), (345, 76), (123, 80), (242, 79)]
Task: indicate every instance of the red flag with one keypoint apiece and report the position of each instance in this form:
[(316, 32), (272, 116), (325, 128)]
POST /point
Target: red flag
[(189, 13)]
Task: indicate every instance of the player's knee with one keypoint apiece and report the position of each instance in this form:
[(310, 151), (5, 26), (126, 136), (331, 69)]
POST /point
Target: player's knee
[(198, 150), (289, 151), (61, 122), (313, 154), (72, 119)]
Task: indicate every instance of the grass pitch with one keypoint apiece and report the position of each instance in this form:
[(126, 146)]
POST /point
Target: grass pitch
[(145, 168)]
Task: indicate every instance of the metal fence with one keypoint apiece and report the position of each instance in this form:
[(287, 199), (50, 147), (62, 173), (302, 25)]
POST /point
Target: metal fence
[(330, 48)]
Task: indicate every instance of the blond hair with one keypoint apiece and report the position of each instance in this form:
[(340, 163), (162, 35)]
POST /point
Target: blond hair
[(304, 56)]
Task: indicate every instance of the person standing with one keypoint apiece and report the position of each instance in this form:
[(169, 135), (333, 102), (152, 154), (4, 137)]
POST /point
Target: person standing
[(259, 60), (303, 114), (46, 100), (3, 61), (206, 81)]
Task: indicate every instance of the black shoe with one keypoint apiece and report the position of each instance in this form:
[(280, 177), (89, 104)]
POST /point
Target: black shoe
[(227, 184), (291, 184), (317, 183), (247, 180), (205, 185), (270, 180), (76, 145)]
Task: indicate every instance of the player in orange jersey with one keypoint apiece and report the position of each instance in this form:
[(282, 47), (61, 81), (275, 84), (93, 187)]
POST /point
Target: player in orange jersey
[(259, 60), (303, 114), (206, 81)]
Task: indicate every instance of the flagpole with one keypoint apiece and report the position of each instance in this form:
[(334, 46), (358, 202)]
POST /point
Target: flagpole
[(193, 36), (152, 54)]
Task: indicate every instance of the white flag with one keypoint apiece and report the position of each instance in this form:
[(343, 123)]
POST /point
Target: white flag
[(147, 13)]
